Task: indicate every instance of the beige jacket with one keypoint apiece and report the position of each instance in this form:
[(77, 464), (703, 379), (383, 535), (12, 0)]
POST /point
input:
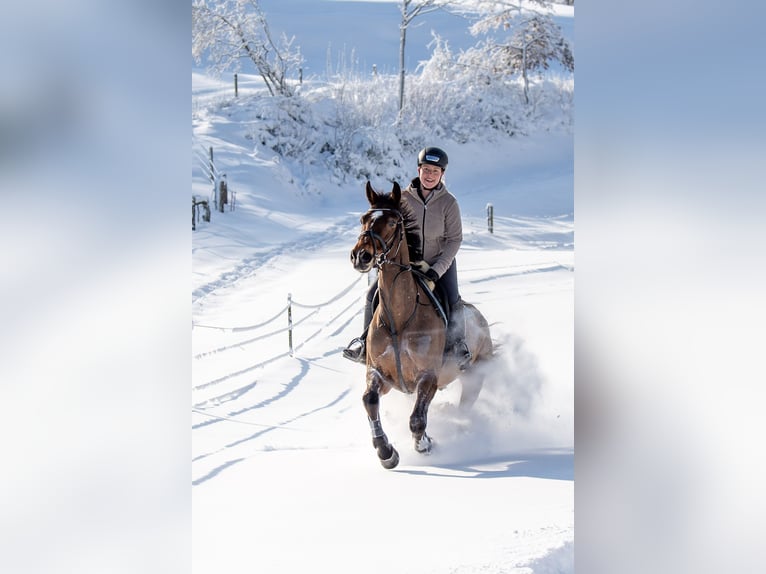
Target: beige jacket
[(437, 222)]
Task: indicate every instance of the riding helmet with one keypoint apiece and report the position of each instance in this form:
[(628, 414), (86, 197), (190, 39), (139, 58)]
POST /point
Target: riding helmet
[(434, 156)]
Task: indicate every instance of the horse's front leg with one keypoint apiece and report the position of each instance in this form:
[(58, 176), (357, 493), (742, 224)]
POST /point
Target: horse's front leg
[(419, 418), (387, 454)]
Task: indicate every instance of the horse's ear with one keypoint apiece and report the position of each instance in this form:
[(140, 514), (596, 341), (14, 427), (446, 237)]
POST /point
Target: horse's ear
[(371, 194), (396, 193)]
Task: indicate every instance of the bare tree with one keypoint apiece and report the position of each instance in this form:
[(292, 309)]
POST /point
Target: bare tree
[(225, 32), (411, 9)]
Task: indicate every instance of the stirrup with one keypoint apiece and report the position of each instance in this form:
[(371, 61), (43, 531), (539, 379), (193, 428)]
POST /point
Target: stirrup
[(359, 354)]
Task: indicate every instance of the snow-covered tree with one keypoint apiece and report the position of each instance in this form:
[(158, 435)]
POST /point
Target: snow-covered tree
[(225, 32), (534, 38), (354, 126)]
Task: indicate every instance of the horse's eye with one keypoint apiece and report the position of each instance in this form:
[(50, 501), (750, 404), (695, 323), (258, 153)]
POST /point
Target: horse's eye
[(391, 223)]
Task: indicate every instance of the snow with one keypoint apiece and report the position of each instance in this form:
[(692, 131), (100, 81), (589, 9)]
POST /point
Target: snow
[(284, 477), (97, 354)]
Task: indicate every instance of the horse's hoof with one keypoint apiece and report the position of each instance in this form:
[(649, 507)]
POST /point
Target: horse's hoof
[(391, 461), (423, 446)]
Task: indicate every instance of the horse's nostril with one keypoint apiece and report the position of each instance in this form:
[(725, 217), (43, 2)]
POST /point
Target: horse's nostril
[(365, 257)]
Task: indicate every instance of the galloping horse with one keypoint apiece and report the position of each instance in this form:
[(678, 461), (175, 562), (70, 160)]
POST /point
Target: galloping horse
[(405, 341)]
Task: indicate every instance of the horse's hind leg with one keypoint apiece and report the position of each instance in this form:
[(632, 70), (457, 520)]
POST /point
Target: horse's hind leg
[(387, 454), (419, 417), (471, 383)]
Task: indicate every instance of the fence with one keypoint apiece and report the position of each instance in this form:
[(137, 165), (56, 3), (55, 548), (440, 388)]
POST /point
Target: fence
[(286, 314), (197, 204), (222, 193), (205, 159)]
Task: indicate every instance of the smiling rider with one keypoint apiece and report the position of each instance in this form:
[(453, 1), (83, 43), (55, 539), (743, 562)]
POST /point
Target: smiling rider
[(434, 234)]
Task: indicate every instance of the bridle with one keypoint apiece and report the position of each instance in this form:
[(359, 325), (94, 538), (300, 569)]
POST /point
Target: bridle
[(381, 258)]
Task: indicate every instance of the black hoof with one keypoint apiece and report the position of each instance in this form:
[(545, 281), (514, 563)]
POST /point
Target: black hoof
[(391, 461)]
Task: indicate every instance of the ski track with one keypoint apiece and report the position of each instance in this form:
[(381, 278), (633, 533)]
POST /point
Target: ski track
[(250, 265), (221, 467), (287, 389), (342, 308), (344, 316), (546, 269), (224, 398)]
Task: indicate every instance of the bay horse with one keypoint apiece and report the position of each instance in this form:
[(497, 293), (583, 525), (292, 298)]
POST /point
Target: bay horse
[(406, 338)]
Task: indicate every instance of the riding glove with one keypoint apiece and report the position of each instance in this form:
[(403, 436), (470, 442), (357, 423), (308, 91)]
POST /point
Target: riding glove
[(431, 278), (429, 275)]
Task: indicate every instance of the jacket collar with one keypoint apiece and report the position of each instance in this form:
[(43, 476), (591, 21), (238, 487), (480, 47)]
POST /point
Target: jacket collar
[(416, 187)]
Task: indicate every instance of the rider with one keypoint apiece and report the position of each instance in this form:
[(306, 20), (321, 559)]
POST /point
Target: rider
[(434, 235)]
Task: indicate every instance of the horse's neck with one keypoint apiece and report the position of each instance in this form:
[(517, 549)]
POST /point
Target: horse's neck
[(397, 285)]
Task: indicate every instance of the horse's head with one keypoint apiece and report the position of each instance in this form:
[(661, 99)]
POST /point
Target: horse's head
[(381, 229)]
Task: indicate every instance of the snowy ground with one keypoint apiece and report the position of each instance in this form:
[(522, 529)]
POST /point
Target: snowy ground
[(282, 455), (96, 362), (284, 475)]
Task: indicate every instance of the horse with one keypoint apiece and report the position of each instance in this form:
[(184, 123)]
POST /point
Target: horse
[(406, 338)]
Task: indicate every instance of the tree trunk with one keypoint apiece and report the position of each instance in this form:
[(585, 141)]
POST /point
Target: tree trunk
[(402, 41), (524, 72)]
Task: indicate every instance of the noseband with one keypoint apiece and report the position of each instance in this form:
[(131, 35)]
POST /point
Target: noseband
[(375, 239)]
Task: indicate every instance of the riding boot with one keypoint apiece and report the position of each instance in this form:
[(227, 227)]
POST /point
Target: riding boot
[(456, 337), (357, 349)]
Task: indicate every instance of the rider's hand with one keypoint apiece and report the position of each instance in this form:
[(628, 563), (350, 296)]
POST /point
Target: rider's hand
[(431, 278), (420, 265)]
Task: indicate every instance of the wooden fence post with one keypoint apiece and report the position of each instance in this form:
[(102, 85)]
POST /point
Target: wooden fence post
[(212, 167), (290, 321), (223, 193), (490, 218), (236, 87)]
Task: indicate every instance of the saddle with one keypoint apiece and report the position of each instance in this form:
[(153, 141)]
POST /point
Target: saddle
[(438, 299)]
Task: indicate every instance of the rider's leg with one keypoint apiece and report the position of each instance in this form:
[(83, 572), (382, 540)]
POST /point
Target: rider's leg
[(357, 349), (456, 327)]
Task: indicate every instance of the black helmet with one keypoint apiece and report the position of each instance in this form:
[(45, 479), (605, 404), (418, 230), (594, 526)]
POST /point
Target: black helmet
[(434, 156)]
